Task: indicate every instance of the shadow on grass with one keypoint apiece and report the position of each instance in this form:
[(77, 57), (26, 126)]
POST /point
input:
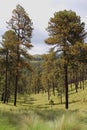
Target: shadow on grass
[(41, 107), (71, 93), (74, 101), (26, 101), (51, 115)]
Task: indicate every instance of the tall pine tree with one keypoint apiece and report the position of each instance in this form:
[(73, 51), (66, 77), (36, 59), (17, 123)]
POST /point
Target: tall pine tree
[(22, 25), (65, 29)]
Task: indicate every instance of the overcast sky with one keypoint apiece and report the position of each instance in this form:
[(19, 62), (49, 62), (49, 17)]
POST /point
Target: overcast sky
[(40, 11)]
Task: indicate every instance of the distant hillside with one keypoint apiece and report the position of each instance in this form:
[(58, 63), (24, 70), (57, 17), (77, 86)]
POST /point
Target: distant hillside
[(37, 57)]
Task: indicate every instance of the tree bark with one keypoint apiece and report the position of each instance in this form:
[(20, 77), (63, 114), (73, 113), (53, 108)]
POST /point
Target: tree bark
[(48, 91), (6, 78), (16, 78), (15, 94), (66, 85)]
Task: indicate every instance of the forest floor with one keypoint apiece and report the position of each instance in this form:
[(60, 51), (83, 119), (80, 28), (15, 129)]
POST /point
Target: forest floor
[(33, 112)]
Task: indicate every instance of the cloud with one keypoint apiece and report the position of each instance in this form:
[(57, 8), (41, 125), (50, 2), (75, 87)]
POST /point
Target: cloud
[(40, 12), (40, 49), (39, 35), (1, 33), (37, 41)]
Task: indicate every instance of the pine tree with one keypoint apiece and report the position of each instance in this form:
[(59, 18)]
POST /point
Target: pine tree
[(65, 29), (22, 25)]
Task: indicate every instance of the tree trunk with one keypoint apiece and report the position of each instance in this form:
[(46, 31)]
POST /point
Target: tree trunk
[(66, 85), (76, 82), (16, 78), (2, 96), (6, 78), (48, 91), (53, 84), (76, 86), (61, 98), (8, 90), (80, 80), (16, 87), (83, 78), (83, 84)]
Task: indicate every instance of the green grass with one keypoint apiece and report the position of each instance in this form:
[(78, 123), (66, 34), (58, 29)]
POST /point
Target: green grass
[(8, 121), (33, 112), (59, 119), (40, 101)]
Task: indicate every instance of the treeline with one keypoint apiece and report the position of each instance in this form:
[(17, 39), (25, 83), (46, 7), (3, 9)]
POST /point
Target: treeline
[(48, 75), (65, 65)]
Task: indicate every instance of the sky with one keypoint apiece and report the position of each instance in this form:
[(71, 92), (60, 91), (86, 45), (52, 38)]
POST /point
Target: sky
[(40, 12)]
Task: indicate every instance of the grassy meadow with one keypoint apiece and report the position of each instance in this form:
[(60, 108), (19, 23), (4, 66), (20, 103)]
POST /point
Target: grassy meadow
[(33, 112)]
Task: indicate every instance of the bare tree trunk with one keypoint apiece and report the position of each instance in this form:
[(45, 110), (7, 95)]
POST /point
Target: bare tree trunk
[(16, 78), (80, 80), (15, 94), (6, 78), (53, 84), (61, 98), (66, 85), (83, 78), (48, 91), (76, 83)]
